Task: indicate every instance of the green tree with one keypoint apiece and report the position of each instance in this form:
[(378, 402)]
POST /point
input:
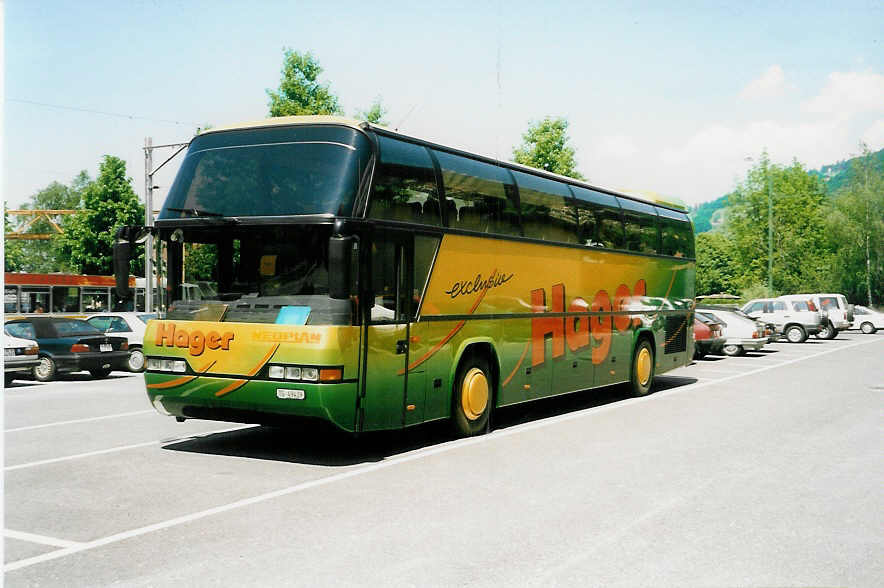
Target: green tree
[(545, 146), (109, 203), (43, 256), (375, 113), (802, 260), (716, 271), (300, 92), (856, 227)]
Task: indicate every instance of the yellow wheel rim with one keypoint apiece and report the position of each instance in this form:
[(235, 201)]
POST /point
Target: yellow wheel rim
[(643, 366), (474, 394)]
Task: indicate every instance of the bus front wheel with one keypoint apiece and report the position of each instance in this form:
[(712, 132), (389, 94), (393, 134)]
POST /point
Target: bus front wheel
[(472, 396), (642, 377)]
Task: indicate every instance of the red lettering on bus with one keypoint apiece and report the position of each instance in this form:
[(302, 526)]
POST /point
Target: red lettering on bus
[(541, 327), (168, 335), (580, 331)]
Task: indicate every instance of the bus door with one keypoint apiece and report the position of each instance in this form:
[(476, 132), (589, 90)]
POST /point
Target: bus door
[(393, 397)]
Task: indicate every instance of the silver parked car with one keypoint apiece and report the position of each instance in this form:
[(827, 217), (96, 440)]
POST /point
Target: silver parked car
[(795, 317), (741, 332)]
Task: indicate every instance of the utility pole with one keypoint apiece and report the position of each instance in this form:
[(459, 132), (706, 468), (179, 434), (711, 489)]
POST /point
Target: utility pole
[(149, 187), (148, 222), (769, 236)]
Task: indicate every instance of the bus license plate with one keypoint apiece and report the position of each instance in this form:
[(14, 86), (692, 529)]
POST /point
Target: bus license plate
[(9, 352), (106, 347), (289, 394)]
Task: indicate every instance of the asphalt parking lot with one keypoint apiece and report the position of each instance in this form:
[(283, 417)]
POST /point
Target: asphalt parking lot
[(757, 470)]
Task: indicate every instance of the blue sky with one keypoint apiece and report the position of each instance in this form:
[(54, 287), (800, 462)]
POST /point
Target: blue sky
[(658, 98)]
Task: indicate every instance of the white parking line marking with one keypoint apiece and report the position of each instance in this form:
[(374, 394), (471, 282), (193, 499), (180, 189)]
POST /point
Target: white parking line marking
[(119, 448), (42, 539), (387, 463), (75, 421)]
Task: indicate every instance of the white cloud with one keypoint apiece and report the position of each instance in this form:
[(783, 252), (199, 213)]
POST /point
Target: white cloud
[(848, 93), (617, 146), (772, 83), (874, 135)]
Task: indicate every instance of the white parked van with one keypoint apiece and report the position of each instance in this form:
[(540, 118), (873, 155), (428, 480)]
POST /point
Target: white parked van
[(838, 313)]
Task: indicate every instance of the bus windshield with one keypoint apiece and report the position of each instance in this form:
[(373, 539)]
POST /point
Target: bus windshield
[(270, 172), (254, 274)]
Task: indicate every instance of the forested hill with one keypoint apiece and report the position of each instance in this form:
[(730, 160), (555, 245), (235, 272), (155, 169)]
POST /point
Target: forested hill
[(708, 215)]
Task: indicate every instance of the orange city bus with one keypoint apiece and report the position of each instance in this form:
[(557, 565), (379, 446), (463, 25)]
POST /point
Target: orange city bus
[(375, 280), (69, 294)]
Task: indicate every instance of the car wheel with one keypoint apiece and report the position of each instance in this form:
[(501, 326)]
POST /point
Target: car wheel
[(642, 373), (45, 370), (796, 334), (472, 396), (732, 350), (136, 361), (867, 328), (99, 373), (9, 378), (828, 332)]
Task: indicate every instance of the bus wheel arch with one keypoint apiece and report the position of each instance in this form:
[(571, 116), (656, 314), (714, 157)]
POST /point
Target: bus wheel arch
[(642, 365), (474, 389)]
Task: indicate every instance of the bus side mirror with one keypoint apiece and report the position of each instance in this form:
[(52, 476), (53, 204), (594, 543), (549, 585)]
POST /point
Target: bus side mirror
[(339, 271), (122, 252)]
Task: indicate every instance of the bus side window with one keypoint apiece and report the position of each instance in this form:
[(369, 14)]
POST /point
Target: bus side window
[(10, 299), (546, 208), (385, 280), (404, 186), (587, 225), (640, 223), (424, 253), (611, 228), (479, 196)]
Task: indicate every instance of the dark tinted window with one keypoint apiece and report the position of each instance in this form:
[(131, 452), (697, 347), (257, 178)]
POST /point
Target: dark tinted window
[(547, 209), (676, 233), (599, 222), (424, 254), (640, 225), (404, 185), (270, 172), (73, 327), (479, 196)]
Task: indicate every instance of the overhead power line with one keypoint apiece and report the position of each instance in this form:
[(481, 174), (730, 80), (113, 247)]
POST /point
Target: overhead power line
[(101, 112)]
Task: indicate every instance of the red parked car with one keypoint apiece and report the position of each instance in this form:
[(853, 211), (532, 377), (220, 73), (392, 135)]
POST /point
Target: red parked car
[(708, 335)]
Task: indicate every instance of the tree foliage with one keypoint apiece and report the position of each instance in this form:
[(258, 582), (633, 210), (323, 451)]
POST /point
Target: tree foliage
[(821, 243), (42, 256), (300, 91), (375, 113), (797, 199), (545, 146), (108, 203)]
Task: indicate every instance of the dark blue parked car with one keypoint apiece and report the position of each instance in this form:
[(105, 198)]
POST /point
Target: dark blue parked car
[(70, 345)]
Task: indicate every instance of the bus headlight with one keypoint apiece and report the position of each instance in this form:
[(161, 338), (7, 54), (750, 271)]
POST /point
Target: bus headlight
[(305, 374)]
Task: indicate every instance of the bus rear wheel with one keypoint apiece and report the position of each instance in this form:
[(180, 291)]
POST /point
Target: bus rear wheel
[(472, 396), (642, 373)]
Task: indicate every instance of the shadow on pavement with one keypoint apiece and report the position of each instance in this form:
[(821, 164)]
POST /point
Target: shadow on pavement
[(321, 444)]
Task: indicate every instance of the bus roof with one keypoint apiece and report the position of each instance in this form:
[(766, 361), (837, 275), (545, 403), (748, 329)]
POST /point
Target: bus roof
[(640, 195)]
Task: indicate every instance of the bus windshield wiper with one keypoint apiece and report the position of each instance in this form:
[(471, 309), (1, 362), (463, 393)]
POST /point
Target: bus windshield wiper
[(207, 215), (197, 212)]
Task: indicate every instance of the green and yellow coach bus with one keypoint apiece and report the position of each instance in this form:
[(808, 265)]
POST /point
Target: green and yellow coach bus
[(376, 281)]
